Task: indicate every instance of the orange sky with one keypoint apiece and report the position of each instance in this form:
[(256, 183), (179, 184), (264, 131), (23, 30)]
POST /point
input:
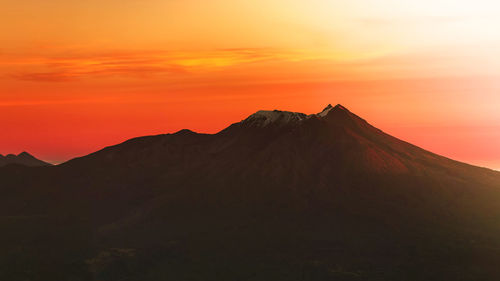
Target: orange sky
[(76, 76)]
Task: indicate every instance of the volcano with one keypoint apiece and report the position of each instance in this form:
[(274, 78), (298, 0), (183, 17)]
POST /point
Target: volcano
[(278, 196)]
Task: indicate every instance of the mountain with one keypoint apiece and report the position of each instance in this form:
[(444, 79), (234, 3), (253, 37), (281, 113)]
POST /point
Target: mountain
[(23, 158), (278, 196)]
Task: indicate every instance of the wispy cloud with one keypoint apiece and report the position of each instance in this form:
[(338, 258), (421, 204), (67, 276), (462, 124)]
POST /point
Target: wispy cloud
[(54, 76), (138, 64)]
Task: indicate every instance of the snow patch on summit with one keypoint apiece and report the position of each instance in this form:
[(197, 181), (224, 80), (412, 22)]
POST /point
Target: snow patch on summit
[(325, 111), (263, 118)]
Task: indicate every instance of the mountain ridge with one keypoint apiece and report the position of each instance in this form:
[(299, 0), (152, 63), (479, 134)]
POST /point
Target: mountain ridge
[(23, 158), (275, 116), (276, 196)]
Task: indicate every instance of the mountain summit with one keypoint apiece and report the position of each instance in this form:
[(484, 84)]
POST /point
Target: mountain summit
[(277, 196), (23, 158), (264, 118), (327, 109)]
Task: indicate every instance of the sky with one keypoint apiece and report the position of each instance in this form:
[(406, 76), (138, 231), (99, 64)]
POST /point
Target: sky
[(76, 76)]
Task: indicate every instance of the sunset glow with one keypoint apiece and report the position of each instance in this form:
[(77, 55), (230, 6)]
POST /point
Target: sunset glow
[(81, 75)]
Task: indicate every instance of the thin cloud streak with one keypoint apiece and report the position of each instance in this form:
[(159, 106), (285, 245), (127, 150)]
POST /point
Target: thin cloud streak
[(142, 64)]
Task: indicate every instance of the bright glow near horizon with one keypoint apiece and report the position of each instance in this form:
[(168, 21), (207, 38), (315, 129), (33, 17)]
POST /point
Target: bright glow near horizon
[(80, 75)]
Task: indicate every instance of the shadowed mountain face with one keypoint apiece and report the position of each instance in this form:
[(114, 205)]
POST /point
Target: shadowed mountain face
[(277, 196), (23, 158)]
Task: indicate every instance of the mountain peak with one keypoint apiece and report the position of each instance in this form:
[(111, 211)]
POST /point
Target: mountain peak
[(341, 107), (263, 118), (23, 158), (325, 111), (185, 132), (24, 154), (329, 108)]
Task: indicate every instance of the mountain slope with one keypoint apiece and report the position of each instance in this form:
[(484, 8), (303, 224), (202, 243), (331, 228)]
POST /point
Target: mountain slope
[(277, 196), (23, 158)]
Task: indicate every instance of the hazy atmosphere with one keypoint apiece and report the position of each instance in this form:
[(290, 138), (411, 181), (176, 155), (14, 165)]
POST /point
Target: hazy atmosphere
[(259, 140), (80, 75)]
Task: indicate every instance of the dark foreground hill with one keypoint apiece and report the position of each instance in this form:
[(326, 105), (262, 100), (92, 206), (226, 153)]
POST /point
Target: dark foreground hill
[(23, 158), (278, 196)]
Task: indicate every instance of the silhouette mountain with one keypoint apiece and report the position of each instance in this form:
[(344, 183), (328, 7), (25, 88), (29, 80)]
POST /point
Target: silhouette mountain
[(23, 158), (278, 196)]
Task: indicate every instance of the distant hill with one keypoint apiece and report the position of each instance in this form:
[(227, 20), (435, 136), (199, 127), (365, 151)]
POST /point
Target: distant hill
[(278, 196), (23, 158)]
